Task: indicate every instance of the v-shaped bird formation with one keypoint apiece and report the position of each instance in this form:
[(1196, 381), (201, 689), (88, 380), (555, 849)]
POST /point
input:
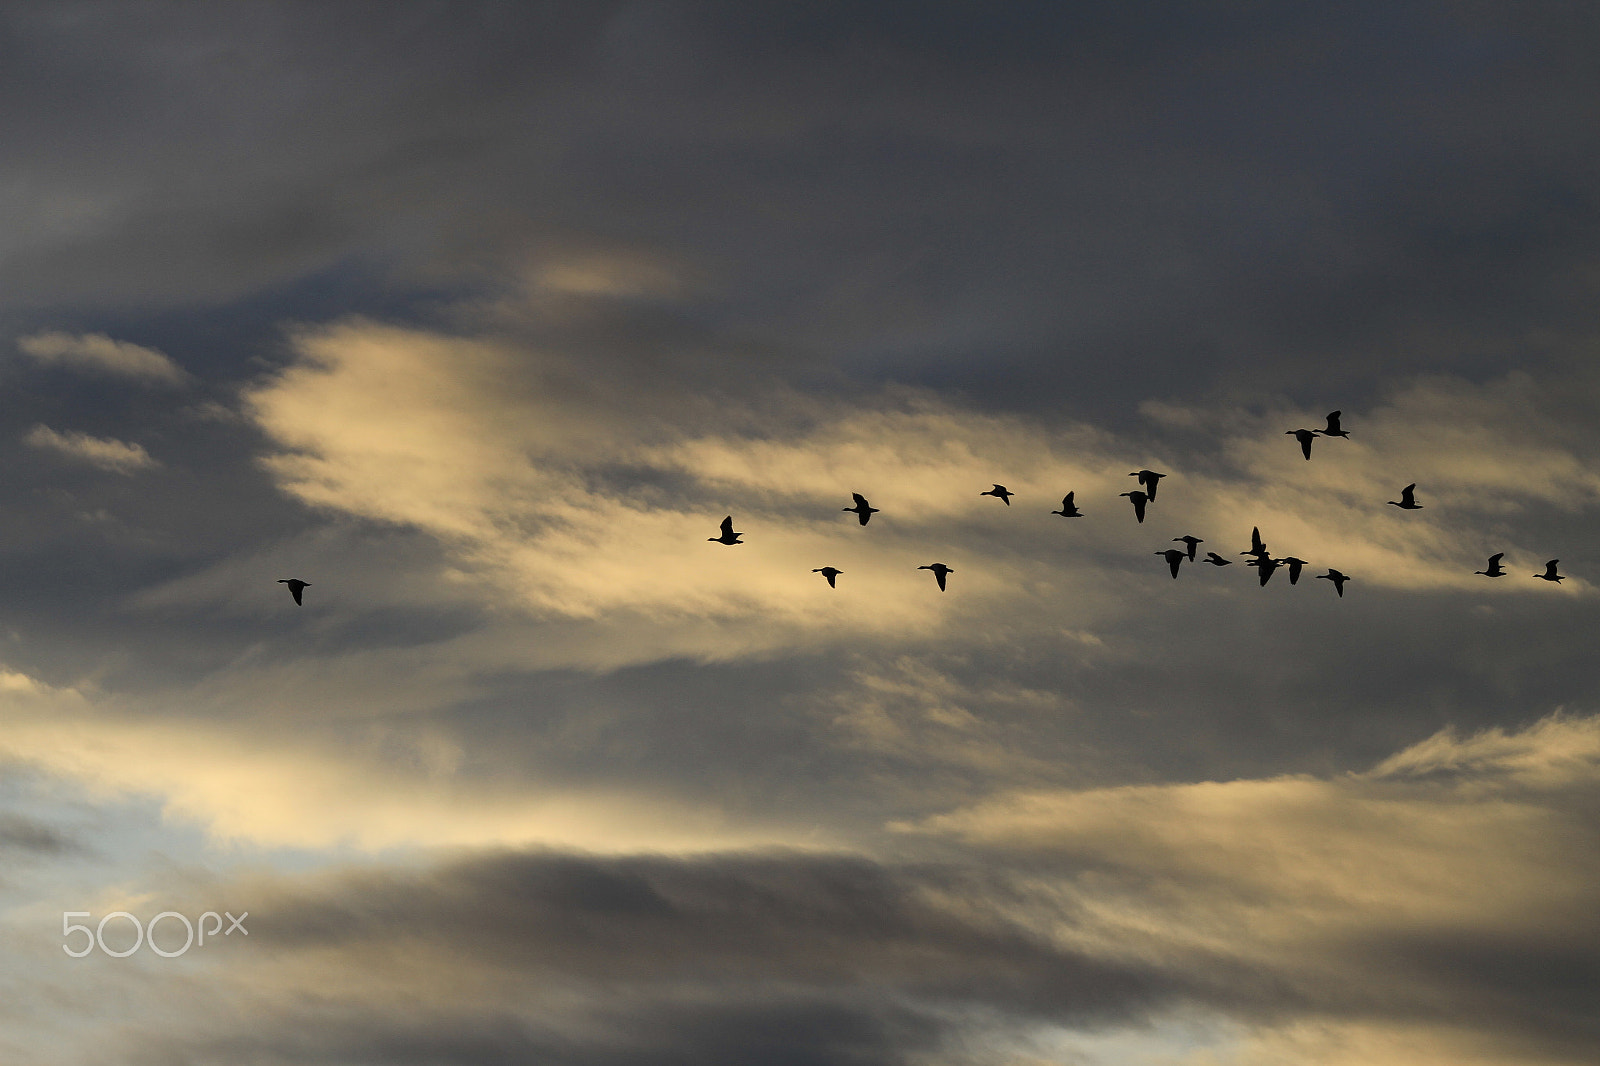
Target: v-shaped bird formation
[(1141, 498)]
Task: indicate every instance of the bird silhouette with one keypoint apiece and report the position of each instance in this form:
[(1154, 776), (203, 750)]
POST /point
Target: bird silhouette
[(1190, 542), (1294, 566), (1337, 578), (999, 492), (1258, 547), (1494, 566), (1265, 565), (1148, 479), (728, 535), (1138, 499), (1305, 437), (1550, 571), (1175, 558), (830, 573), (296, 587), (939, 571), (1068, 508), (862, 508), (1333, 430), (1216, 560), (1408, 498)]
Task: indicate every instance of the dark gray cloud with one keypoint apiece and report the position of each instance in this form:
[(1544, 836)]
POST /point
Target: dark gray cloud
[(1080, 202), (784, 921), (20, 834)]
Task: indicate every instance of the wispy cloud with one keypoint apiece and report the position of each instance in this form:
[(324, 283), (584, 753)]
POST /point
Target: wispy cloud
[(258, 785), (98, 352), (591, 503), (1387, 898), (120, 457)]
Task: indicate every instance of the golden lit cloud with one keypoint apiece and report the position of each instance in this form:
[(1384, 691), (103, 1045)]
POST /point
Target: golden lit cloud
[(96, 351), (1475, 838), (283, 788), (119, 457), (589, 503)]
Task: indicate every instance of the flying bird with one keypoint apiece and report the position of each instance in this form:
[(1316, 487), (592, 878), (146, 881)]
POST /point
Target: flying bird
[(1190, 542), (1148, 479), (1333, 430), (830, 573), (1265, 565), (728, 535), (1216, 560), (1068, 508), (1550, 571), (1337, 578), (1175, 557), (999, 492), (1305, 437), (1294, 566), (1258, 547), (862, 508), (939, 571), (296, 587), (1138, 499), (1408, 498), (1494, 566)]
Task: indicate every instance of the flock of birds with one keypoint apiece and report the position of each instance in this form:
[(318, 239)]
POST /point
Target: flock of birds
[(1140, 497)]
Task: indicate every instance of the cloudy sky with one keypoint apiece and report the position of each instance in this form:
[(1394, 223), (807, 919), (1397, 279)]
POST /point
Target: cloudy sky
[(480, 316)]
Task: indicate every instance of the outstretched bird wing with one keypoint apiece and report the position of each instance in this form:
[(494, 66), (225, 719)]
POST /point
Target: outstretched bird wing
[(727, 526)]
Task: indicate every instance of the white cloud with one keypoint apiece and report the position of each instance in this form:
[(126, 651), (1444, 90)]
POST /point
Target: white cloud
[(120, 457), (96, 351)]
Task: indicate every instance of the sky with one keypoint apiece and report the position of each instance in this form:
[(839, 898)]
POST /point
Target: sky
[(479, 317)]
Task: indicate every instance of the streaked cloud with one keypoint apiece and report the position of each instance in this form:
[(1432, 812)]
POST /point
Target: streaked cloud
[(274, 787), (119, 457), (98, 352), (1388, 898), (595, 504)]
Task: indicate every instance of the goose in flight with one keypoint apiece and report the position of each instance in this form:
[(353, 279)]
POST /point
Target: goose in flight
[(862, 508), (1550, 571), (1147, 479), (296, 587), (1190, 542), (1138, 499), (1408, 498), (1494, 566), (1068, 508), (728, 535), (999, 492), (1258, 547), (1175, 558), (830, 573), (1216, 560), (939, 571), (1265, 565), (1337, 578), (1294, 566), (1305, 437), (1333, 430)]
